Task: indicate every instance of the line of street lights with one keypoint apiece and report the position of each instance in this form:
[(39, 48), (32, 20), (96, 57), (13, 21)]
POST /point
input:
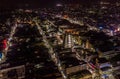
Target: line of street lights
[(13, 30), (51, 51)]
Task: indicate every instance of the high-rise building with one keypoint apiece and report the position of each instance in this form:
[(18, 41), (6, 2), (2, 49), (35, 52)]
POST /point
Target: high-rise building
[(68, 40)]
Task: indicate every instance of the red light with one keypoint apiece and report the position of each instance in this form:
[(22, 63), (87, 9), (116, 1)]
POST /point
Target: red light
[(4, 44)]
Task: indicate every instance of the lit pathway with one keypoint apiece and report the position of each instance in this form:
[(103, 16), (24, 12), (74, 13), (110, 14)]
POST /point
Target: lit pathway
[(51, 52), (13, 30)]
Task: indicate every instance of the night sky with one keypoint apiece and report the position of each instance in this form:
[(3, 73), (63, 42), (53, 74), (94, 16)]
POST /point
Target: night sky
[(39, 3), (33, 3)]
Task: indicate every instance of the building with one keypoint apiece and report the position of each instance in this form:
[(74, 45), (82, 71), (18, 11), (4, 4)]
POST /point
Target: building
[(17, 72)]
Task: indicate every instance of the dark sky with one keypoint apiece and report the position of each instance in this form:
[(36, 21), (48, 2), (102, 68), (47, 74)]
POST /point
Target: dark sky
[(39, 3), (18, 3)]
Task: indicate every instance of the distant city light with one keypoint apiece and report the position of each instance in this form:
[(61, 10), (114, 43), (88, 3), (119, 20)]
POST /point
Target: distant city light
[(58, 5), (118, 29), (1, 55), (100, 27)]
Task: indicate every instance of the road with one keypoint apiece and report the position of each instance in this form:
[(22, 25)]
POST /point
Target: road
[(51, 51)]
